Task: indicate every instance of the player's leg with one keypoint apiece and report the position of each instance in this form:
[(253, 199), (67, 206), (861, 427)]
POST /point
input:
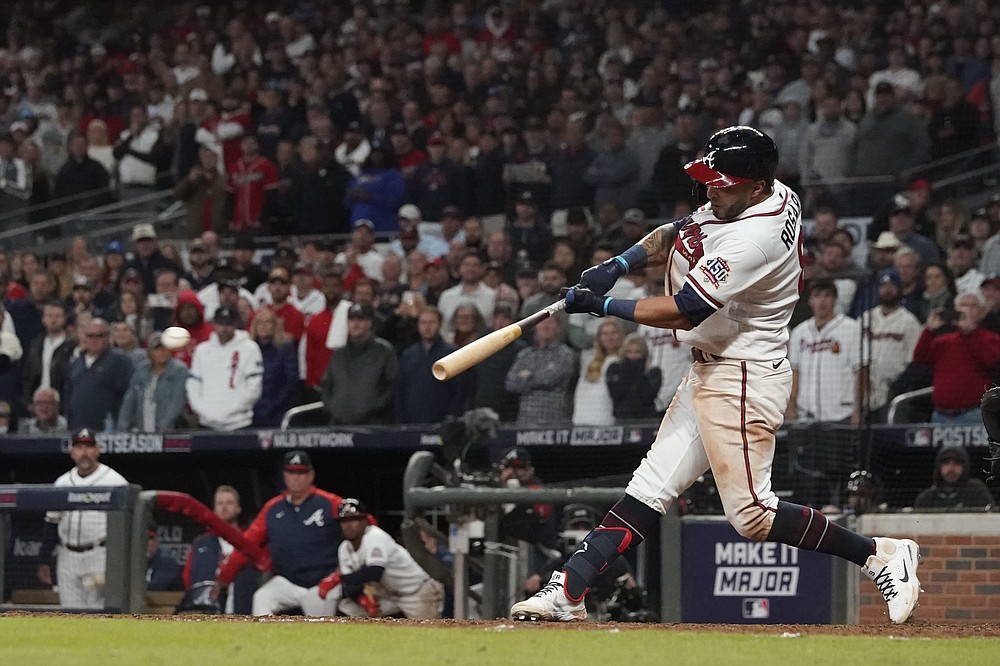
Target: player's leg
[(94, 563), (739, 440), (312, 605), (674, 461), (72, 594), (275, 595), (424, 604)]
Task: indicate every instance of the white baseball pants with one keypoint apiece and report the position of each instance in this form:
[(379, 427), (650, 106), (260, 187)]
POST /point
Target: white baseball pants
[(724, 416), (280, 594), (81, 577)]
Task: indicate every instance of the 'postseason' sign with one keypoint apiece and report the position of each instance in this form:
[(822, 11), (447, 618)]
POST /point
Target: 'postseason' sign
[(730, 579)]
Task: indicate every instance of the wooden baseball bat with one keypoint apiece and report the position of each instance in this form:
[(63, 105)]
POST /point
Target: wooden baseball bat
[(476, 351)]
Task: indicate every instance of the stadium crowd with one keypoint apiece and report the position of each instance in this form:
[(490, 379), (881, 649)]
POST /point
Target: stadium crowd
[(370, 185)]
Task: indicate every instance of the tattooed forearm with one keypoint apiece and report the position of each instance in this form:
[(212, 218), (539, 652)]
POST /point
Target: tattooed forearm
[(658, 243)]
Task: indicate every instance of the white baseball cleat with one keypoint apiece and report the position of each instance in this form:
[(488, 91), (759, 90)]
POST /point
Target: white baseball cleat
[(550, 604), (893, 567)]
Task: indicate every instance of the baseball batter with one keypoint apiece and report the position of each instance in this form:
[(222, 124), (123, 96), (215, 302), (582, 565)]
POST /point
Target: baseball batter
[(369, 556), (733, 277), (80, 563)]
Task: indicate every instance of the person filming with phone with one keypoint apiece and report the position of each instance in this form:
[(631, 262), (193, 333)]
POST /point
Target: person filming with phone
[(962, 359)]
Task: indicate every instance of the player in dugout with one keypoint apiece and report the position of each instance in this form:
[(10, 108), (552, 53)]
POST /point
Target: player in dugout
[(734, 268)]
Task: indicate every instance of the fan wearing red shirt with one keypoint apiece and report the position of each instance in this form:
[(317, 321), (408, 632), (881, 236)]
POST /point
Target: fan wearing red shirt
[(254, 184), (279, 285), (963, 361), (325, 331)]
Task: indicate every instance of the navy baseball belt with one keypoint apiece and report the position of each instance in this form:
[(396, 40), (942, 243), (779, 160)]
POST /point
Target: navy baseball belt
[(86, 549)]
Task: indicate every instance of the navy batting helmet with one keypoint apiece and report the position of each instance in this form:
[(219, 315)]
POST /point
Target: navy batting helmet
[(352, 508), (735, 155)]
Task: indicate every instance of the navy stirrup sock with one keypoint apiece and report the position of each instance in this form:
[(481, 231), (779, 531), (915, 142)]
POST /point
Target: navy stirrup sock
[(626, 525), (807, 528)]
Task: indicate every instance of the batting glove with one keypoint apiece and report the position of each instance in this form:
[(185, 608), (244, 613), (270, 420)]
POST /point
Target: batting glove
[(327, 584), (580, 299), (368, 601), (599, 279)]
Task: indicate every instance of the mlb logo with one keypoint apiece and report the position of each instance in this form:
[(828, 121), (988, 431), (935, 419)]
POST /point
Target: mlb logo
[(918, 437), (756, 609)]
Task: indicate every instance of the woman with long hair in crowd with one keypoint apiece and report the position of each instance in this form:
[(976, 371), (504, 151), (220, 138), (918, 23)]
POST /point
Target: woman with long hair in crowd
[(592, 404), (952, 220), (114, 264), (939, 290), (281, 368), (467, 324), (632, 382)]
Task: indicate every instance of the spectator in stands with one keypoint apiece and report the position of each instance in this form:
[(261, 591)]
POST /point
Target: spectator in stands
[(542, 375), (827, 153), (305, 297), (490, 192), (100, 147), (140, 152), (96, 380), (592, 404), (991, 298), (437, 182), (156, 393), (125, 339), (253, 182), (315, 189), (226, 374), (360, 258), (468, 324), (551, 280), (901, 225), (953, 488), (906, 262), (147, 259), (243, 264), (832, 264), (114, 266), (280, 368), (827, 368), (962, 263), (954, 126), (81, 182), (892, 332), (15, 185), (420, 397), (325, 331), (436, 280), (952, 221), (47, 358), (376, 190), (633, 381), (470, 289), (530, 236), (360, 382), (158, 311), (614, 173), (890, 140), (203, 190), (47, 421), (208, 552), (26, 313), (354, 150), (963, 360), (279, 288), (303, 547)]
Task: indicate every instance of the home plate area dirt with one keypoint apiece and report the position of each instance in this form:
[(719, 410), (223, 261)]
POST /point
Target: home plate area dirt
[(912, 629)]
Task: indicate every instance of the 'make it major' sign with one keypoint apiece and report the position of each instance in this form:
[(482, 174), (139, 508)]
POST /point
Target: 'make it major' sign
[(727, 578)]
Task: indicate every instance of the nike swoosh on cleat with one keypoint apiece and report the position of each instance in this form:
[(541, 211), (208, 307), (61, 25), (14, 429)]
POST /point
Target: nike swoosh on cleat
[(906, 575)]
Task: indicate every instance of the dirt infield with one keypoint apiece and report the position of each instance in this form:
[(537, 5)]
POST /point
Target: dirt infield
[(914, 629)]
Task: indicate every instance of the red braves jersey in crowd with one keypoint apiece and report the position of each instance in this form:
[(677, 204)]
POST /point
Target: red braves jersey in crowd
[(249, 181), (962, 365), (317, 354)]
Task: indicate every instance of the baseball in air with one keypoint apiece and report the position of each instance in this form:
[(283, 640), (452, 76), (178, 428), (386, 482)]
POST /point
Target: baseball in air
[(175, 338)]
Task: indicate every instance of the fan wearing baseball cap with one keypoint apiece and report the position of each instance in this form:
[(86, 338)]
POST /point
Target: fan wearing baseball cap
[(226, 374), (377, 189), (439, 182), (301, 530)]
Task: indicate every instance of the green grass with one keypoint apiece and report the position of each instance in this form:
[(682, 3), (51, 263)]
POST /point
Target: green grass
[(47, 641)]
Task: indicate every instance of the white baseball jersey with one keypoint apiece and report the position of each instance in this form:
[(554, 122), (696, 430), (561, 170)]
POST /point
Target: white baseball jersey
[(889, 343), (826, 360), (402, 577), (84, 528), (741, 277), (748, 270)]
